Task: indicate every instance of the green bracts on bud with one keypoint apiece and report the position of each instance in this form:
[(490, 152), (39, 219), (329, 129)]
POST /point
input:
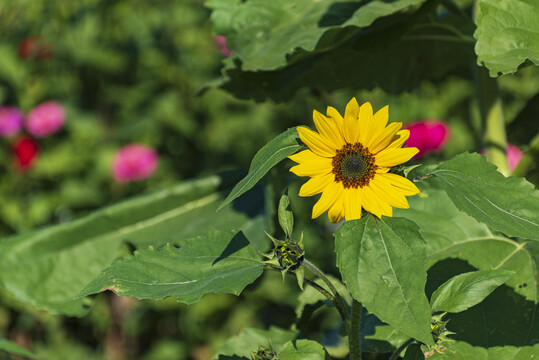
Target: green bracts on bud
[(439, 333), (264, 353), (287, 256)]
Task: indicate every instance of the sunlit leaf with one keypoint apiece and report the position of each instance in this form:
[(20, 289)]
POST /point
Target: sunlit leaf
[(383, 263), (450, 233), (466, 290), (47, 268), (270, 155), (464, 351), (12, 348), (303, 350), (250, 339), (509, 205), (507, 35), (218, 262)]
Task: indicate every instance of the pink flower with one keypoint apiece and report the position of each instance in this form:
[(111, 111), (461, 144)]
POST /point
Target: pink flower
[(45, 119), (134, 162), (10, 121), (514, 154), (427, 135), (220, 40)]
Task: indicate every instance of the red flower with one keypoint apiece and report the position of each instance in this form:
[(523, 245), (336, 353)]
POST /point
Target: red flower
[(34, 47), (26, 151)]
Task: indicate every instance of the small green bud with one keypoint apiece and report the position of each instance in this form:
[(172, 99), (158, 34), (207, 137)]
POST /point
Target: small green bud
[(264, 353), (439, 333), (287, 255)]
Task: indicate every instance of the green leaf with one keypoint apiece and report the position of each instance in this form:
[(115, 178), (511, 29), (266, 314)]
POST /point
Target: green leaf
[(12, 348), (510, 205), (507, 35), (270, 155), (399, 46), (383, 263), (303, 350), (282, 29), (218, 262), (449, 232), (249, 339), (48, 268), (286, 217), (414, 352), (466, 290), (463, 351)]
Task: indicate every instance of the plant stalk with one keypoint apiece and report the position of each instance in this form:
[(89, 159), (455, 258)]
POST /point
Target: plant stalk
[(316, 271), (397, 352), (354, 335)]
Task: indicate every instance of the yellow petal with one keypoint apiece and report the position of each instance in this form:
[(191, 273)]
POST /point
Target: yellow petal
[(388, 193), (336, 211), (380, 142), (351, 122), (316, 185), (405, 186), (392, 157), (328, 129), (310, 164), (334, 115), (373, 201), (365, 116), (399, 139), (376, 125), (316, 142), (352, 204), (331, 193)]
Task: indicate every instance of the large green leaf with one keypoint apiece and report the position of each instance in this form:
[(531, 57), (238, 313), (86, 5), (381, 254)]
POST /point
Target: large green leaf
[(383, 263), (270, 155), (399, 49), (264, 33), (250, 339), (510, 205), (218, 262), (463, 351), (507, 34), (449, 232), (466, 290), (303, 350), (47, 268), (13, 348)]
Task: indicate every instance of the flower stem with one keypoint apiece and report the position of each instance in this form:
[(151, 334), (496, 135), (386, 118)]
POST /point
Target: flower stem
[(316, 271), (397, 352), (318, 288), (354, 335)]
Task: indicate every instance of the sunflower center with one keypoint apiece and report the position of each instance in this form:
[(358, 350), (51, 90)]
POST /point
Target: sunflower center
[(354, 166)]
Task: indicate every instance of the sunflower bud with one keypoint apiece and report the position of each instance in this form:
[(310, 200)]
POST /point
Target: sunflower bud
[(287, 256), (439, 333), (264, 353)]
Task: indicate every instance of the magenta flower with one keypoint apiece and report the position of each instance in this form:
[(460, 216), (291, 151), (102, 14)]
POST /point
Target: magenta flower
[(134, 162), (220, 40), (514, 154), (10, 121), (45, 119), (427, 135)]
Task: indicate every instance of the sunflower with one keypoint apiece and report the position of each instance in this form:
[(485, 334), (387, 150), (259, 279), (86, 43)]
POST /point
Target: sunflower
[(349, 159)]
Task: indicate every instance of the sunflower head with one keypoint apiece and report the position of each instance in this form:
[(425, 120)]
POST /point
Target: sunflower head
[(349, 159)]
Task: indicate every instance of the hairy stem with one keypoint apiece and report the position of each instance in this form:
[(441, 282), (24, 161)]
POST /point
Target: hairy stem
[(354, 336), (316, 271), (397, 352)]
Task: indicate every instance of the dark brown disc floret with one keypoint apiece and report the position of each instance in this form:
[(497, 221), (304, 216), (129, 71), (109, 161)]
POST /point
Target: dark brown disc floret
[(354, 166)]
